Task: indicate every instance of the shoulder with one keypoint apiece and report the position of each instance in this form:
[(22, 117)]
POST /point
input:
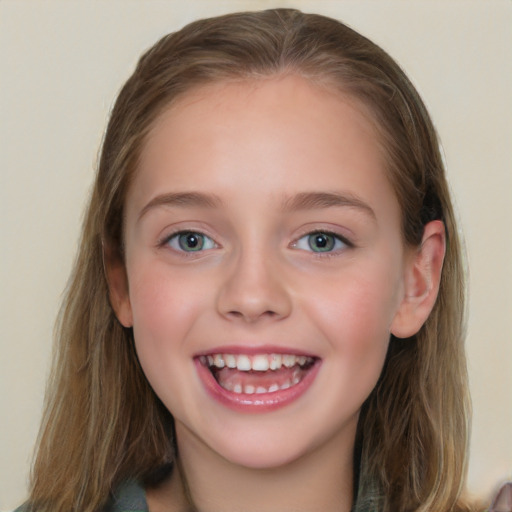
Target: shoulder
[(129, 497)]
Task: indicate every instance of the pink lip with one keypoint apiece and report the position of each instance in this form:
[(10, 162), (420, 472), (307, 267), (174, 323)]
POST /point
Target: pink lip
[(255, 403), (253, 350)]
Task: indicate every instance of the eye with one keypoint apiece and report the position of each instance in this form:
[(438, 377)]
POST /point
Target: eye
[(321, 241), (190, 241)]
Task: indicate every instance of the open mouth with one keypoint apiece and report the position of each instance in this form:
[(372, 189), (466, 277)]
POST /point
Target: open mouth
[(258, 373)]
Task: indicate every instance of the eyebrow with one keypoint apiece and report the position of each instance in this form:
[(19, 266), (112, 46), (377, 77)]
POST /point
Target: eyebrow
[(182, 199), (301, 201), (314, 200)]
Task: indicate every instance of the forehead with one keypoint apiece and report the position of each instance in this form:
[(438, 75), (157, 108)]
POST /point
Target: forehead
[(270, 136), (290, 95)]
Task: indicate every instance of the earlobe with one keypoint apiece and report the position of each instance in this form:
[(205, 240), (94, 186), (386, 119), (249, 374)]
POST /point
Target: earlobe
[(421, 282), (117, 279)]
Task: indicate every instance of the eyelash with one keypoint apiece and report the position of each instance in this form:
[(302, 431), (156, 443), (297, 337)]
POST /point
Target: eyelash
[(174, 238)]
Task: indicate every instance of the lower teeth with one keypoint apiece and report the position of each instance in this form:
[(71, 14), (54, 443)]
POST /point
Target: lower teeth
[(250, 389), (258, 382)]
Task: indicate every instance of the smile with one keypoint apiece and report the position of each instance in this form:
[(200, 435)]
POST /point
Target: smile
[(258, 381), (257, 374)]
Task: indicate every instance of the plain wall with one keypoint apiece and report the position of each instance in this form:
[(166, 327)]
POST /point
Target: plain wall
[(61, 64)]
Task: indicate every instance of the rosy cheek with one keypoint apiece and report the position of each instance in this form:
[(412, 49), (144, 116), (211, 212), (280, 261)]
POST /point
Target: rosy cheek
[(165, 303), (354, 317)]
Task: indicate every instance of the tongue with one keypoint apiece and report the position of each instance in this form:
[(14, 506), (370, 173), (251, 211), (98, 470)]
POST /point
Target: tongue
[(228, 377)]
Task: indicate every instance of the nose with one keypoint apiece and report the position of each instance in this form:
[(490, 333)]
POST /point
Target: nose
[(254, 289)]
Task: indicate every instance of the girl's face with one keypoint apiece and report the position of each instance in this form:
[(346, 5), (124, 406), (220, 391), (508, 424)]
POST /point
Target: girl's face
[(262, 233)]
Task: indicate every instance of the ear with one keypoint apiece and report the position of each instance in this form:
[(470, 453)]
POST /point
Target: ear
[(421, 283), (117, 281)]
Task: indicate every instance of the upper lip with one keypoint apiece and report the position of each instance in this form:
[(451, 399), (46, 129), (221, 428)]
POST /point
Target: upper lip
[(255, 350)]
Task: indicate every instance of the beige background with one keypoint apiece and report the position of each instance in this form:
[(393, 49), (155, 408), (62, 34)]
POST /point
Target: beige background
[(61, 64)]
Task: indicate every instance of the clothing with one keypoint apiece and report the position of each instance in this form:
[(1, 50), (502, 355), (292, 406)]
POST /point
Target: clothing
[(503, 500), (130, 497)]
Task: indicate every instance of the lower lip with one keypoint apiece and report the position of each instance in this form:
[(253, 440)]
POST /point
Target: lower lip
[(257, 402)]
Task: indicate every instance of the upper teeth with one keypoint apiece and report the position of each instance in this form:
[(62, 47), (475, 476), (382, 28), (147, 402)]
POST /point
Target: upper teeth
[(259, 362)]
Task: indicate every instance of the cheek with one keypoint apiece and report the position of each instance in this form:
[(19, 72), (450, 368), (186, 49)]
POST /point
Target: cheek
[(160, 297), (361, 299), (164, 306), (357, 323), (354, 315)]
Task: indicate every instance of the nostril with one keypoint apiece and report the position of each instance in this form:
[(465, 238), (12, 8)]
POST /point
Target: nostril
[(251, 317)]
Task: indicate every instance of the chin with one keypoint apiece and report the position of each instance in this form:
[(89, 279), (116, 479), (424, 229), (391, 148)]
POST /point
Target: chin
[(263, 449), (262, 459)]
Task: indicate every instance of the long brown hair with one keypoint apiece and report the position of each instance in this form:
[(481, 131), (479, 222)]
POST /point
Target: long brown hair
[(104, 424)]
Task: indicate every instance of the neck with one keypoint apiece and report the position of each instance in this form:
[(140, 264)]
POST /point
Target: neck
[(320, 480)]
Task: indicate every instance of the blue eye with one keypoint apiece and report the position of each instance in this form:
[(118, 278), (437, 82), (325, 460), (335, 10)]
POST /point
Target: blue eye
[(321, 241), (190, 241)]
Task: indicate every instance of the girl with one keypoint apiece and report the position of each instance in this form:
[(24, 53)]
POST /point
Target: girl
[(267, 308)]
